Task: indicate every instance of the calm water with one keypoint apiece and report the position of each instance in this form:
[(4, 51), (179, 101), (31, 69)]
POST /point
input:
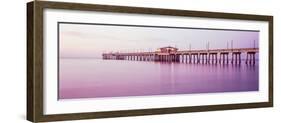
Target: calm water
[(92, 78)]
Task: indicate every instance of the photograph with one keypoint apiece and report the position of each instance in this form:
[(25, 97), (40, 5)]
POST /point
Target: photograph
[(101, 60)]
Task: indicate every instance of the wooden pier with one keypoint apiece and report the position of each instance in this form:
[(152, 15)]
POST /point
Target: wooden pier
[(171, 54)]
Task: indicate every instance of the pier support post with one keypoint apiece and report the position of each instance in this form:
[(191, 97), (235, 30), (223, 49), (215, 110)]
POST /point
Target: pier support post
[(178, 57), (198, 58), (223, 58), (250, 58), (208, 58), (190, 58), (216, 58), (236, 58)]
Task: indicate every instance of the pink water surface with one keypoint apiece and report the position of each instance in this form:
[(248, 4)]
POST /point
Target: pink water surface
[(95, 78)]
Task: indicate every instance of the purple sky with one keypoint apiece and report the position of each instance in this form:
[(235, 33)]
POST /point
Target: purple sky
[(81, 40)]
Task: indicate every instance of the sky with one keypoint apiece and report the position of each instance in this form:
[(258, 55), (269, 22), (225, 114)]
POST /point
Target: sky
[(85, 40)]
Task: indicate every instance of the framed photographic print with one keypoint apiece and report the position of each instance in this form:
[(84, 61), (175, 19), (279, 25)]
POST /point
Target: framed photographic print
[(89, 61)]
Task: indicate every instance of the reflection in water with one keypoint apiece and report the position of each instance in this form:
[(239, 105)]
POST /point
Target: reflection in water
[(92, 78)]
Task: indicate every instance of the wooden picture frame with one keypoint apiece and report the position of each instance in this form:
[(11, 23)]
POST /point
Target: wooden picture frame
[(35, 60)]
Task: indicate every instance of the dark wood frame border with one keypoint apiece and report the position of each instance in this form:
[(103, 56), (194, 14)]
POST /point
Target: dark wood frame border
[(35, 60)]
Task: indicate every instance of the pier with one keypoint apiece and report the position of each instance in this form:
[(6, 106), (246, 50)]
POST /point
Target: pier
[(172, 54)]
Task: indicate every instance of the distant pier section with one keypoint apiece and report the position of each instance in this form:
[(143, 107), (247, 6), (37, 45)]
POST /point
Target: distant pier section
[(172, 54)]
